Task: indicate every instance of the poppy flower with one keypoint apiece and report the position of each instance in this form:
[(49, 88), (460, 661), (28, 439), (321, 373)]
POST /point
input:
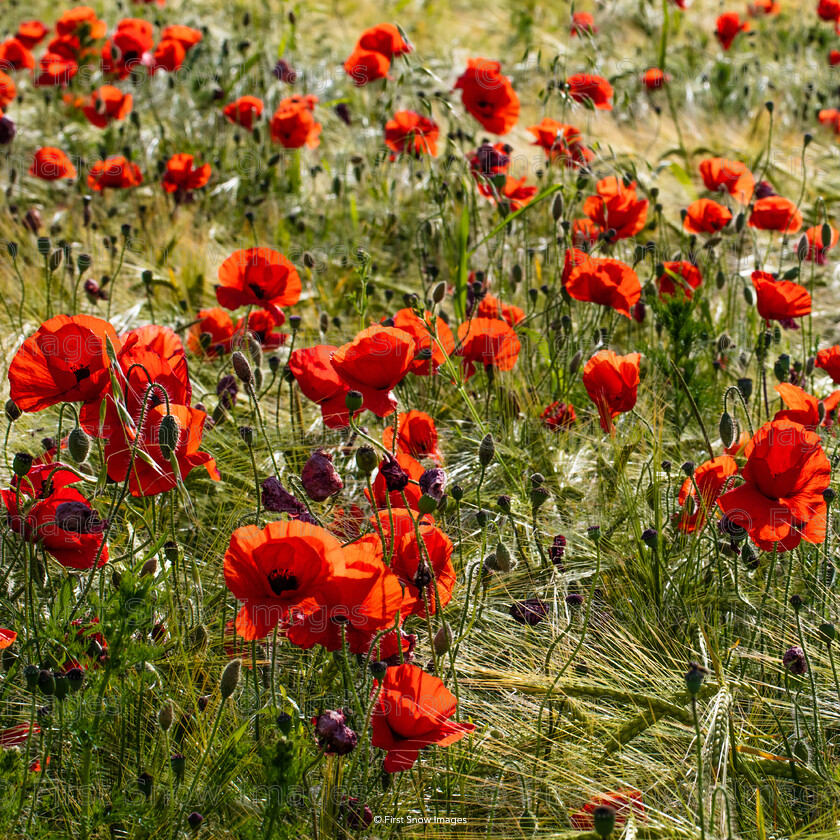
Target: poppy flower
[(616, 207), (804, 408), (364, 599), (492, 307), (780, 502), (680, 275), (607, 282), (706, 216), (585, 233), (488, 96), (106, 104), (624, 801), (284, 565), (411, 134), (211, 333), (30, 33), (15, 55), (417, 435), (834, 58), (373, 363), (244, 111), (829, 361), (730, 175), (490, 159), (728, 26), (763, 8), (115, 173), (780, 300), (812, 246), (653, 78), (710, 478), (412, 470), (413, 711), (261, 324), (365, 66), (127, 47), (82, 22), (559, 415), (583, 23), (828, 10), (384, 38), (489, 342), (831, 118), (66, 360), (612, 382), (7, 638), (181, 174), (168, 56), (51, 164), (584, 87), (561, 142), (8, 91), (514, 193), (293, 125), (408, 321), (421, 585), (186, 36), (775, 213), (258, 277), (318, 380), (55, 70)]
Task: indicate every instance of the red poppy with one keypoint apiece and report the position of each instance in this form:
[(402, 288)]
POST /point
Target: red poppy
[(730, 175), (30, 33), (317, 378), (373, 363), (132, 40), (8, 91), (513, 192), (186, 36), (803, 408), (706, 216), (381, 495), (775, 213), (106, 104), (780, 300), (181, 174), (384, 38), (51, 164), (55, 70), (492, 307), (728, 26), (168, 56), (284, 565), (14, 736), (834, 58), (14, 55), (616, 207), (624, 801), (680, 275), (831, 118), (366, 595), (585, 232), (487, 341), (417, 436), (408, 321), (583, 23), (261, 324), (82, 22), (212, 332), (829, 361), (559, 415), (66, 360), (612, 382), (829, 10), (413, 711), (365, 66), (115, 173), (488, 96), (710, 478), (561, 142), (258, 277), (653, 78), (244, 111), (584, 87), (293, 125), (780, 502), (812, 246), (605, 281), (411, 134), (7, 638), (763, 8)]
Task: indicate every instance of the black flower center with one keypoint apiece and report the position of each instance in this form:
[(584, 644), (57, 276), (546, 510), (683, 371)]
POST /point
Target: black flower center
[(282, 580), (81, 373), (258, 292)]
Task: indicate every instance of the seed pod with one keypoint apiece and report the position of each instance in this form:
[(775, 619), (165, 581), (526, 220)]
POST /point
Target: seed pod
[(366, 459), (12, 411), (78, 442), (230, 678), (353, 400), (22, 464)]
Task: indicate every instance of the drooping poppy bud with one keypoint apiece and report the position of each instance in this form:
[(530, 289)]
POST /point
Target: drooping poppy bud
[(319, 477)]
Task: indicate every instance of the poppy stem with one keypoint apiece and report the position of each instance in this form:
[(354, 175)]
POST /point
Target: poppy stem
[(693, 405), (697, 737)]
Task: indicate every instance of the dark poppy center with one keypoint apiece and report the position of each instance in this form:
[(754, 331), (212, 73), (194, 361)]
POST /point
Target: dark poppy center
[(81, 373), (281, 581), (258, 292)]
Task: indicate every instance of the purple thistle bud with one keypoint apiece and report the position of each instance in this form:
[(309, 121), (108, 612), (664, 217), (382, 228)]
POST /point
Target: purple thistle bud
[(319, 478)]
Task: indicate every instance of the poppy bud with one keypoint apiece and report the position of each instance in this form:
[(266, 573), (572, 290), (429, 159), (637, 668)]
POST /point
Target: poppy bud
[(195, 820), (504, 560), (32, 220), (486, 450), (366, 459), (31, 674), (145, 784), (443, 639), (557, 207), (246, 433), (503, 503), (353, 400), (650, 537), (62, 685), (603, 820), (439, 292), (46, 682), (43, 245), (22, 464), (728, 428), (319, 477), (168, 433), (688, 468), (797, 602), (149, 567), (78, 443), (694, 678), (574, 364), (481, 518), (76, 679), (827, 632), (12, 411), (539, 496), (230, 678), (166, 715), (794, 661), (457, 492), (242, 368)]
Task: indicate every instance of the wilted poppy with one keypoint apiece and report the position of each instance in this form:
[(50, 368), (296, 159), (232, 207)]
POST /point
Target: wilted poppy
[(182, 174), (829, 361), (114, 173), (319, 381), (279, 567), (399, 470), (419, 328), (489, 342), (730, 175), (293, 124), (710, 478), (585, 87), (417, 435), (14, 55), (605, 281), (244, 111), (679, 277), (706, 216), (775, 213), (51, 164), (612, 382), (411, 134), (559, 415), (106, 104), (616, 207), (488, 96), (212, 332), (728, 26), (258, 277), (781, 500), (490, 159), (780, 300), (413, 711), (373, 363), (561, 142)]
